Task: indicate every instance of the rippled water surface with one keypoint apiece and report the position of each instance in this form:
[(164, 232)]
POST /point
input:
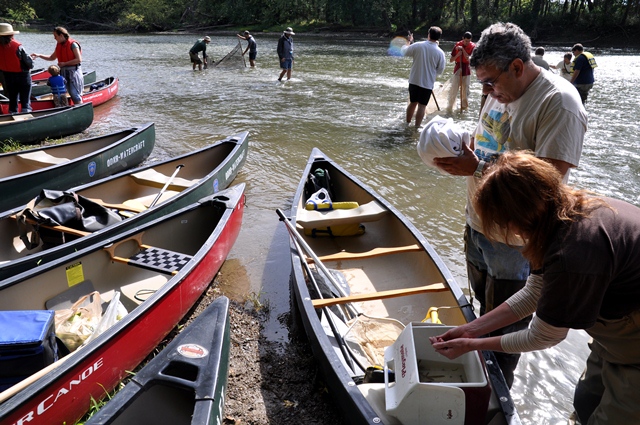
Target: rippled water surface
[(347, 97)]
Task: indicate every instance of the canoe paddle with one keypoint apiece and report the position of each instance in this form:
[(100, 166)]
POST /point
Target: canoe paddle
[(166, 185), (347, 354)]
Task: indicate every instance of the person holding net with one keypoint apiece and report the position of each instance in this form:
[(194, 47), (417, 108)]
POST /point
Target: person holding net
[(252, 47), (461, 71), (199, 46)]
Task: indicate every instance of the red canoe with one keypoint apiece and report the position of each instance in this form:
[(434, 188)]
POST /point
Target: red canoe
[(96, 93), (156, 296)]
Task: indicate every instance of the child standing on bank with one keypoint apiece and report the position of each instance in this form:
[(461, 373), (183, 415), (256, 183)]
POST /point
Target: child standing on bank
[(58, 87)]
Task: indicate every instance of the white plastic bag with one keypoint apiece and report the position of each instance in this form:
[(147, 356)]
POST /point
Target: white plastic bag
[(74, 325), (114, 312)]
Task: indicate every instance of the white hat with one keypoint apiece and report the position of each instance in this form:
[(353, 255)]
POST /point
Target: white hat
[(207, 38), (441, 138), (7, 29), (289, 31)]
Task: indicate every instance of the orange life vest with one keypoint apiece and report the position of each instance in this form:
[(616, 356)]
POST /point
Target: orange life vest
[(64, 52), (9, 60)]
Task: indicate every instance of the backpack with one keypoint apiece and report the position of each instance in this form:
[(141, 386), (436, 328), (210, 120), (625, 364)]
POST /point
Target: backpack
[(26, 63), (318, 179)]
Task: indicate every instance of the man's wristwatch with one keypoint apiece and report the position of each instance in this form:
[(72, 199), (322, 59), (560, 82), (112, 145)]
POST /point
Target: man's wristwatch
[(478, 173)]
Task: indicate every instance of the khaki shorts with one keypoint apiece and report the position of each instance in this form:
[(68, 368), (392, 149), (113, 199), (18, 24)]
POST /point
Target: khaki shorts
[(195, 58)]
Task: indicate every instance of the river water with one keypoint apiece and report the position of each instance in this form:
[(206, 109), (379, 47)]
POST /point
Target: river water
[(347, 97)]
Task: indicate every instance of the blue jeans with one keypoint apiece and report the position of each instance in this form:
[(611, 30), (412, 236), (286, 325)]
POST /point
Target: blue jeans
[(18, 88), (499, 260), (496, 271), (75, 82)]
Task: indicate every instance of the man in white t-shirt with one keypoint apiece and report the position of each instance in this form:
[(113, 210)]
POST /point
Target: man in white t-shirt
[(428, 63), (526, 109)]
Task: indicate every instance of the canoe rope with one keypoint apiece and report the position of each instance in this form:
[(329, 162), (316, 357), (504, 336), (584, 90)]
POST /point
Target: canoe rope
[(146, 293)]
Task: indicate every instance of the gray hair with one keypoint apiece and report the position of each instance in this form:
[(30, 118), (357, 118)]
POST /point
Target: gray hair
[(499, 45)]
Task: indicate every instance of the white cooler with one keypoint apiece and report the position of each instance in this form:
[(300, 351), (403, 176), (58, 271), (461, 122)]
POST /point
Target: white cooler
[(428, 387)]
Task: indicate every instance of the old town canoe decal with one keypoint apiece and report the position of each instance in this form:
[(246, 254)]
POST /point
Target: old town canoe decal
[(192, 351)]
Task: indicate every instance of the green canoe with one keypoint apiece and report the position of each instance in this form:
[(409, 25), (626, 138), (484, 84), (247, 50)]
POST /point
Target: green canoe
[(23, 174), (186, 179), (31, 127)]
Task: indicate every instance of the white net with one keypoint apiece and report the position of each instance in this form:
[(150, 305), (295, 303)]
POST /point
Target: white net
[(369, 336), (233, 59), (442, 92)]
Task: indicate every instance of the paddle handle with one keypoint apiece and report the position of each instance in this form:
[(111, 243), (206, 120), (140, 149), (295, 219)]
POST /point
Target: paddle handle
[(325, 302), (309, 251), (166, 185)]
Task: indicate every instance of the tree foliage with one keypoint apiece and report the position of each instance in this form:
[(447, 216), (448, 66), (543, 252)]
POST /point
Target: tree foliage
[(535, 16)]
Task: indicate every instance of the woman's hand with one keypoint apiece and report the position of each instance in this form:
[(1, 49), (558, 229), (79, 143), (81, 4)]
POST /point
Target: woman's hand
[(453, 348)]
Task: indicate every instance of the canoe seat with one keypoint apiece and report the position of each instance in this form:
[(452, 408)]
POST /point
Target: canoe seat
[(158, 259), (40, 158), (371, 211), (22, 117), (136, 293), (151, 177)]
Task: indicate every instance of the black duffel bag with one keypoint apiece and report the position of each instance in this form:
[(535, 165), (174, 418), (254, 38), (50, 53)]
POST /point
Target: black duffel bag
[(59, 208)]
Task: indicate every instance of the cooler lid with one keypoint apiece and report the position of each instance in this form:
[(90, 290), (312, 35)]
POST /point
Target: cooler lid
[(23, 328)]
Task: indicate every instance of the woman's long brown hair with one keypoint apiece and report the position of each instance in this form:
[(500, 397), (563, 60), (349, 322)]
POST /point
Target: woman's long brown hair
[(522, 195)]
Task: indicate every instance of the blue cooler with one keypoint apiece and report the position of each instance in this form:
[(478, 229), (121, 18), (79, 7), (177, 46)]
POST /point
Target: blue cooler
[(27, 344)]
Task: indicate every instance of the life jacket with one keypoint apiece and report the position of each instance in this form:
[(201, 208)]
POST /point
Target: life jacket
[(590, 58), (57, 85), (64, 52), (9, 59), (468, 48)]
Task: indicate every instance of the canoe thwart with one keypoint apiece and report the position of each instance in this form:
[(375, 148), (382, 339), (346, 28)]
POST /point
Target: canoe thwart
[(41, 158), (326, 302), (371, 211), (128, 205), (376, 252)]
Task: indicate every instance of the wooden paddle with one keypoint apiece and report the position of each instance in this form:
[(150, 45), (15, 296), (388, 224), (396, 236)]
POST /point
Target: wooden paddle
[(63, 229), (436, 287)]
